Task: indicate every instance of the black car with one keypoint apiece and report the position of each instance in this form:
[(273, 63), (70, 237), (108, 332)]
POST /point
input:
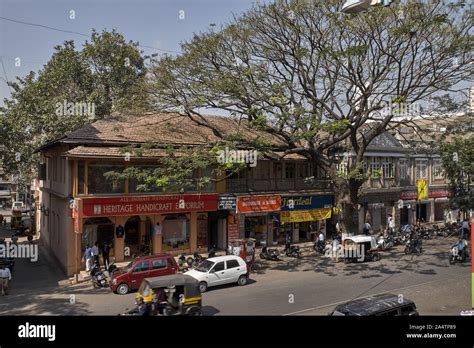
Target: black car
[(377, 305)]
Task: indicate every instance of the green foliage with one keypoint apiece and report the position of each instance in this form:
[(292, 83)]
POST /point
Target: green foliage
[(461, 172)]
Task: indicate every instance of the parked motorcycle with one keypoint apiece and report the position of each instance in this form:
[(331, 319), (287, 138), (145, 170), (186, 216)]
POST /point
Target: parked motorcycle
[(457, 255), (372, 255), (385, 242), (270, 254), (99, 280), (182, 263), (292, 250), (112, 268), (320, 247), (414, 246)]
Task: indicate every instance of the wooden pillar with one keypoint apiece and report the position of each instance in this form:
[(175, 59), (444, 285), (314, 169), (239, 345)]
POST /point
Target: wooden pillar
[(157, 240), (119, 243)]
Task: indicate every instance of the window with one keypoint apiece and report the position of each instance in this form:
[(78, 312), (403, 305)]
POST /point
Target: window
[(219, 267), (374, 165), (232, 264), (403, 167), (421, 168), (387, 167), (342, 165), (303, 170), (80, 177), (289, 171), (142, 266), (158, 264), (99, 183), (171, 262), (175, 232), (438, 171)]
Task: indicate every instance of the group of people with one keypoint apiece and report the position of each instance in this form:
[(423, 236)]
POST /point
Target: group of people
[(92, 255)]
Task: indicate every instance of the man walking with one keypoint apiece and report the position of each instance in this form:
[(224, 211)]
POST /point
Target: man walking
[(105, 255), (367, 228), (5, 277), (390, 224), (95, 253), (465, 229), (88, 257)]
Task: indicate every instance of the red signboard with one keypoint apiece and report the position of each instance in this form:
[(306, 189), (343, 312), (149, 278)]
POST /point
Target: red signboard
[(147, 205), (412, 195), (258, 204)]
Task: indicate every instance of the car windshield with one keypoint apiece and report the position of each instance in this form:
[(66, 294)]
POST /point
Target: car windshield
[(205, 266), (128, 267)]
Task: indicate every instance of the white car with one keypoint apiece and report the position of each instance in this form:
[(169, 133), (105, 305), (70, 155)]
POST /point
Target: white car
[(220, 270)]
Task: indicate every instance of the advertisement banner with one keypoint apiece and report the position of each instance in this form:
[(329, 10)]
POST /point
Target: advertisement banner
[(305, 215), (422, 189), (412, 195), (289, 203), (258, 204), (147, 205)]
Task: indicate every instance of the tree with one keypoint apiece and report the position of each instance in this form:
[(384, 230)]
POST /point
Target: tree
[(458, 162), (324, 81), (75, 87)]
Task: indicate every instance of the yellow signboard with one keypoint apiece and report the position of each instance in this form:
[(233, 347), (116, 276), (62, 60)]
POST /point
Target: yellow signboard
[(305, 215), (422, 189)]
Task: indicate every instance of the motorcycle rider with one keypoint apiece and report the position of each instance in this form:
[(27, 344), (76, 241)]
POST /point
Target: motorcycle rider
[(142, 308), (461, 245), (320, 242)]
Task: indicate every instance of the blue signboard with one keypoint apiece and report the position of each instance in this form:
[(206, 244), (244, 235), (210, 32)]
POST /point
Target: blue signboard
[(289, 203)]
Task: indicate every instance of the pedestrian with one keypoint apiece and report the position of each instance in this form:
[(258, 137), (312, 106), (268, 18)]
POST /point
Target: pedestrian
[(95, 253), (105, 255), (5, 277), (390, 224), (367, 228), (335, 249), (88, 257), (465, 229)]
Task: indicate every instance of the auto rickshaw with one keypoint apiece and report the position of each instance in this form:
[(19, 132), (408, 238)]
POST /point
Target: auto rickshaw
[(182, 295), (360, 248), (15, 220)]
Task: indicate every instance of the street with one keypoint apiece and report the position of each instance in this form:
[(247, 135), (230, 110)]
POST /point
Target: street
[(312, 285)]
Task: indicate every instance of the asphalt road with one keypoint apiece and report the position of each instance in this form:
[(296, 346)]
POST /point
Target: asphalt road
[(313, 285)]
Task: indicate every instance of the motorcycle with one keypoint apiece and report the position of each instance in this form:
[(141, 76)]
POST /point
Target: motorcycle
[(112, 268), (270, 254), (320, 247), (385, 242), (458, 256), (99, 280), (413, 247), (292, 250)]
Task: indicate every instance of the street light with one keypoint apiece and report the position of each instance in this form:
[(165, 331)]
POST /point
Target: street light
[(357, 6)]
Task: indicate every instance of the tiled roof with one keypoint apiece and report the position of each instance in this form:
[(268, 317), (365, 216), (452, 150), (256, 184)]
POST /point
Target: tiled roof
[(165, 128)]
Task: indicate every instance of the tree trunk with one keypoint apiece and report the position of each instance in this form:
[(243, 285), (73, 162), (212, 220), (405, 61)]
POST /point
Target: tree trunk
[(349, 197)]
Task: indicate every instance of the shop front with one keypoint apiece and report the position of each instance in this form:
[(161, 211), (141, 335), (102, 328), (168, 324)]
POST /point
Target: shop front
[(256, 214), (434, 208), (146, 224), (302, 217)]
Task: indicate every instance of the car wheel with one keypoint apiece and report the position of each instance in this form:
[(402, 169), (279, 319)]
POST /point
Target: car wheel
[(202, 286), (122, 289), (194, 312), (242, 280)]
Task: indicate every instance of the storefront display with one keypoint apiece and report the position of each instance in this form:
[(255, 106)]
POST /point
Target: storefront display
[(175, 232)]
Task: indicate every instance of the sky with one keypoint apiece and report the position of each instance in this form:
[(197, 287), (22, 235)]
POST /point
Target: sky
[(155, 23)]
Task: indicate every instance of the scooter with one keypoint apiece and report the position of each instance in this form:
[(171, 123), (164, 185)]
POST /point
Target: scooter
[(270, 254), (320, 247), (458, 256), (385, 242), (292, 250), (182, 263), (413, 247)]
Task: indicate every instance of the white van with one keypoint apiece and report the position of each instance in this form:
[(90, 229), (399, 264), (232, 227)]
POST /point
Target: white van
[(18, 205), (220, 270)]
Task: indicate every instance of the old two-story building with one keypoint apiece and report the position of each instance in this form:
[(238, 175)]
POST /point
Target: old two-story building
[(396, 162), (80, 205)]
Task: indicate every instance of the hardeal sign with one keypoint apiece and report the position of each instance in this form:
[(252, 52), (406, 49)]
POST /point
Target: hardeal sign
[(147, 205), (306, 208)]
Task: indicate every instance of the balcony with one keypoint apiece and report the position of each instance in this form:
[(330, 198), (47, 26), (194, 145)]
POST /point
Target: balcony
[(270, 185)]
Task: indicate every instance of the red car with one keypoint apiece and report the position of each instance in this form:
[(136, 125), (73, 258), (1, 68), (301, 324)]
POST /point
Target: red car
[(131, 276)]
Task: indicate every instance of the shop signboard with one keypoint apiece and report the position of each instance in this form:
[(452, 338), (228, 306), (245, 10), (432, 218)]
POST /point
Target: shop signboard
[(147, 205), (254, 204), (289, 203), (413, 195), (305, 215), (227, 202)]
